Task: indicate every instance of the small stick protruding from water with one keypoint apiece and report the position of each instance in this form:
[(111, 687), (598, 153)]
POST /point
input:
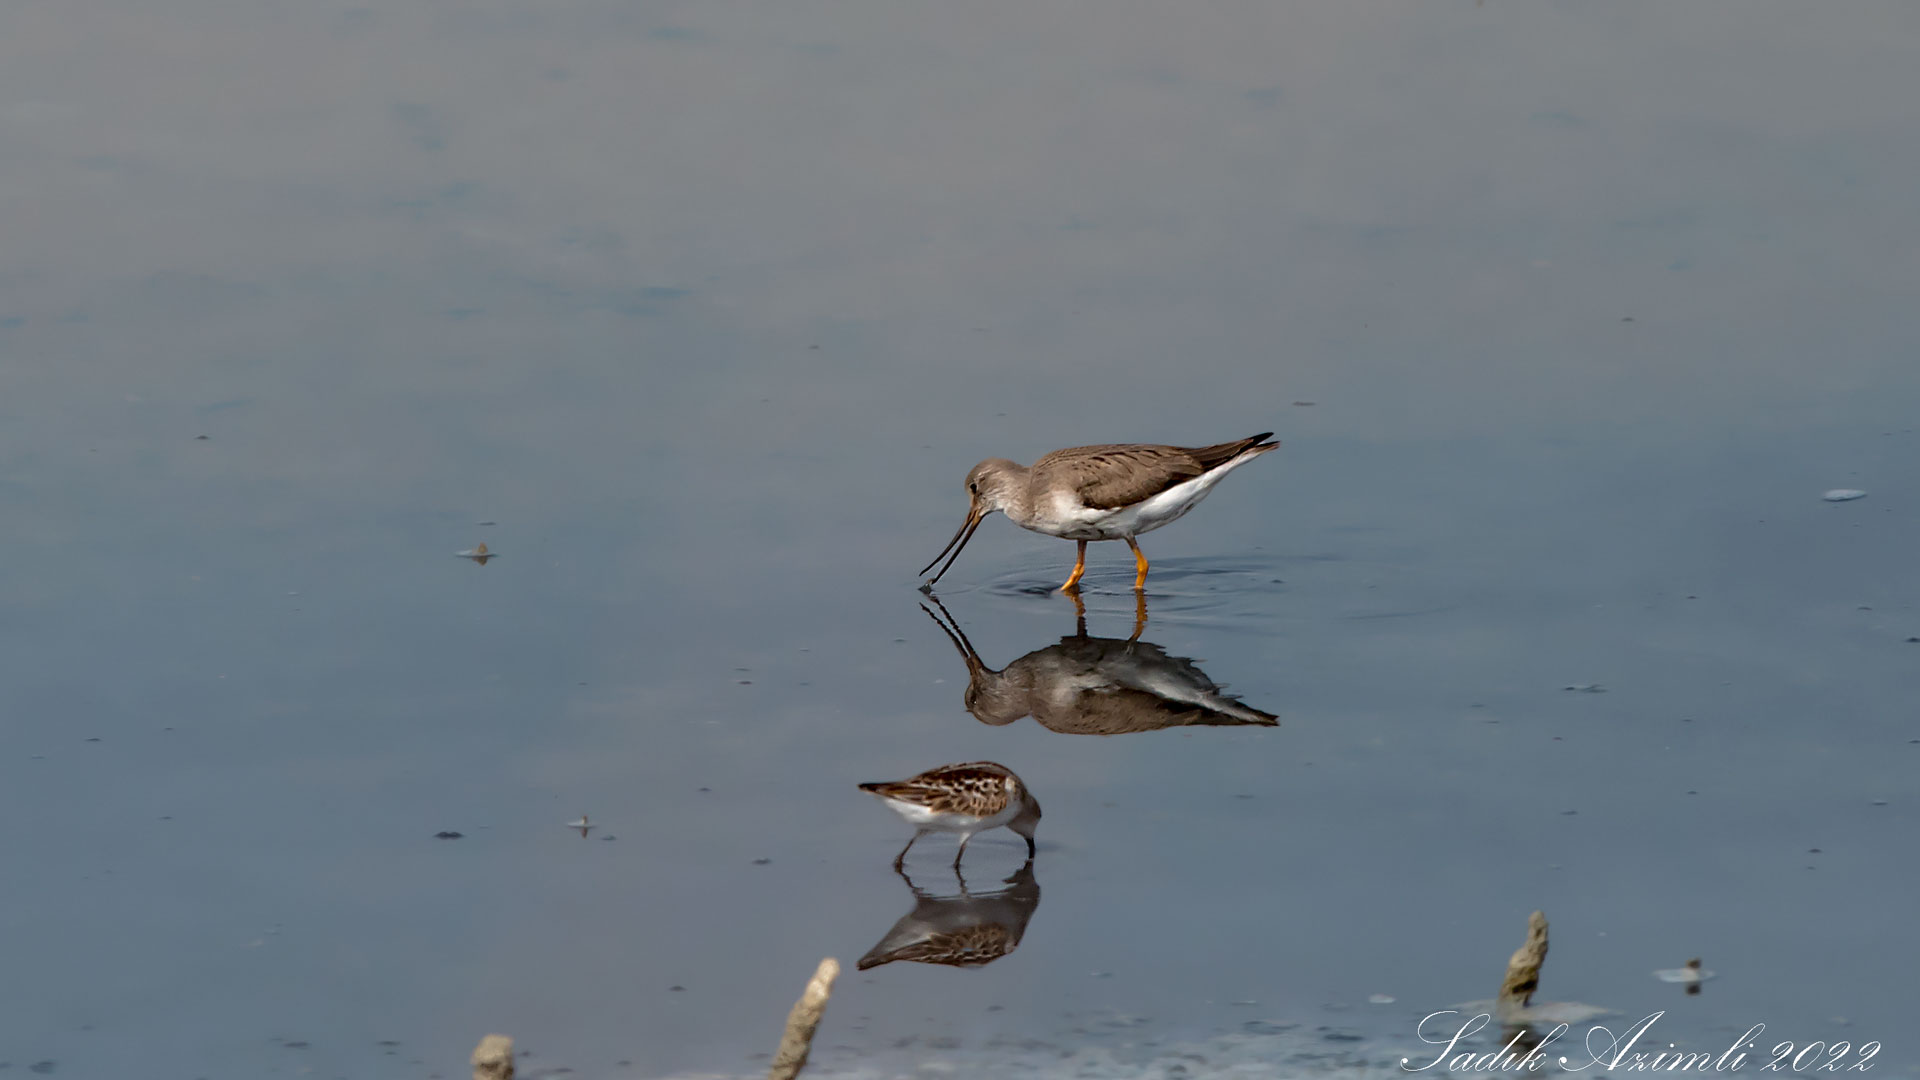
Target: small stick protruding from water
[(1523, 970), (493, 1058), (803, 1021)]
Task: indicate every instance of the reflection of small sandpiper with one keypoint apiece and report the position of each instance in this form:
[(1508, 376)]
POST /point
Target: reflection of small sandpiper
[(478, 553), (1087, 493), (968, 930), (968, 798), (1692, 975)]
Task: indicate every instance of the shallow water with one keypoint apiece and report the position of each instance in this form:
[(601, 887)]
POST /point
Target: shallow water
[(705, 313)]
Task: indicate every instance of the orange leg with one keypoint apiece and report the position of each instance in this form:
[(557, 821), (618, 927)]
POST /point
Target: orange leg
[(1139, 579), (1139, 614), (1079, 567)]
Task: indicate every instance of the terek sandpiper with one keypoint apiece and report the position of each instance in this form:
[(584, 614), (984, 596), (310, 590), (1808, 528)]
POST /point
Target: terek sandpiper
[(1087, 493), (968, 798)]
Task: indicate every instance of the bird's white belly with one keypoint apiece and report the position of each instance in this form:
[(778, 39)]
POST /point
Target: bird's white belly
[(1082, 523), (921, 816)]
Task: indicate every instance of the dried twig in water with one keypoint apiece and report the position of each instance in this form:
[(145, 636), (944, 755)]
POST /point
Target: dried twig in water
[(1523, 970), (802, 1021)]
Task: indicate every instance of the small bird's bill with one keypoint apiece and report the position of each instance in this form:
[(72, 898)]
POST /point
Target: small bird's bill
[(956, 545)]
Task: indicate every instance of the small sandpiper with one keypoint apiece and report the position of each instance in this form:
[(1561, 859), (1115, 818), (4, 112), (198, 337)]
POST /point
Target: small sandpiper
[(1087, 493), (968, 798)]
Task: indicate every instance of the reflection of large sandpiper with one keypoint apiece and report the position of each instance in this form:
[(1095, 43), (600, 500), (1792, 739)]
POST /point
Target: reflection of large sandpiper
[(1097, 686), (1087, 493)]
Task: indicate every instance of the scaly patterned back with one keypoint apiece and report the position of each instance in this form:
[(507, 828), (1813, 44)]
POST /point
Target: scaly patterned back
[(975, 788)]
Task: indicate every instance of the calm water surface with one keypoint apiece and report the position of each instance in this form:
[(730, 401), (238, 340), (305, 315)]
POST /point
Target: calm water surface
[(705, 310)]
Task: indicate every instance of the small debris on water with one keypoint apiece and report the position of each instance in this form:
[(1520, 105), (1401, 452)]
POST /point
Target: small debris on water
[(199, 438), (1380, 999), (478, 553), (1586, 688), (1691, 973), (447, 834), (762, 862), (1844, 495), (583, 825), (484, 524), (1303, 404)]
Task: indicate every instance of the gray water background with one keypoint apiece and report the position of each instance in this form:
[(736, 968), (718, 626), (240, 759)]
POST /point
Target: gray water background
[(710, 307)]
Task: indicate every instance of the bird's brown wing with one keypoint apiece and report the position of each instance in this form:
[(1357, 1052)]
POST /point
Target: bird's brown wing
[(976, 788), (1112, 476)]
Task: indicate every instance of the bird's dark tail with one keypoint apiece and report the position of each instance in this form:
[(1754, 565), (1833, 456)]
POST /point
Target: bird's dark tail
[(1212, 457)]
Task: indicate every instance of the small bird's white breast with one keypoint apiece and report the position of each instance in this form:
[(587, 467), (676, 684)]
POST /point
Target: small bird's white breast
[(925, 818)]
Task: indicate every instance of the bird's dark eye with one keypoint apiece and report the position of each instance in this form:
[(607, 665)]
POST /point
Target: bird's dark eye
[(973, 486)]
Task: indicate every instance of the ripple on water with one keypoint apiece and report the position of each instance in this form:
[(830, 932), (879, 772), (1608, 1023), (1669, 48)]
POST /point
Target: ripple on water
[(1233, 592), (1257, 593)]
